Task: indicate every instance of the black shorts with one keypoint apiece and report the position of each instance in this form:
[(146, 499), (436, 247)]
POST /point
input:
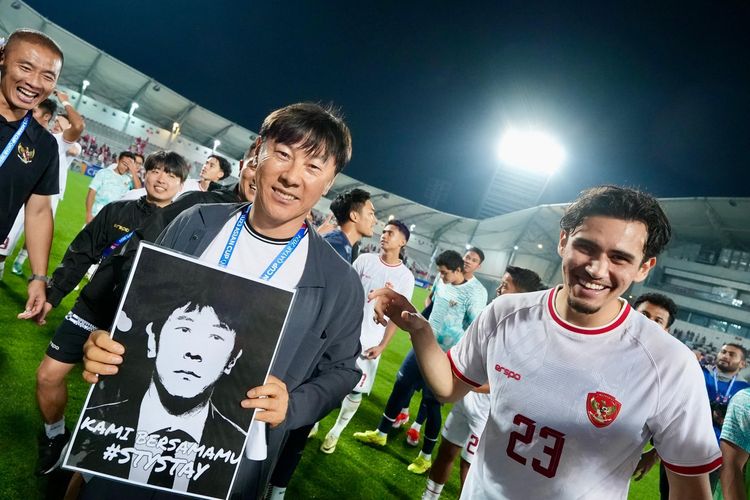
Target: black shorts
[(66, 345)]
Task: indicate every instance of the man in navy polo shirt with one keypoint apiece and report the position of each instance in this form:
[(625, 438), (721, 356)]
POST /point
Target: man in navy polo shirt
[(30, 63)]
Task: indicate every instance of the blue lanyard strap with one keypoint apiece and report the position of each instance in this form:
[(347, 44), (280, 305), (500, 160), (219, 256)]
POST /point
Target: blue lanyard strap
[(233, 237), (290, 247), (716, 385), (277, 262), (14, 140), (118, 243)]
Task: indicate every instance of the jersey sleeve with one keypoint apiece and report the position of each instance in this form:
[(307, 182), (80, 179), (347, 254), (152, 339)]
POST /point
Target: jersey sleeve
[(683, 433), (737, 421), (477, 301), (96, 182), (49, 183), (468, 357), (405, 285)]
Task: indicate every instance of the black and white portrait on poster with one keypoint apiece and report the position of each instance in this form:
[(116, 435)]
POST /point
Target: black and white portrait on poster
[(197, 338)]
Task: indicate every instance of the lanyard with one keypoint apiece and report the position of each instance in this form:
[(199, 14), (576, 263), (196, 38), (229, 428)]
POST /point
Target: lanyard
[(122, 239), (725, 398), (277, 262), (14, 140)]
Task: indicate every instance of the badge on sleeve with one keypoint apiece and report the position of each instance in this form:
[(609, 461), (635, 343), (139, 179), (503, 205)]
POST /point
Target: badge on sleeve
[(602, 408)]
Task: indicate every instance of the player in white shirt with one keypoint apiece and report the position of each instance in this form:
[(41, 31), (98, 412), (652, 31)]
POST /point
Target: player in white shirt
[(578, 381), (384, 269), (465, 423), (66, 129)]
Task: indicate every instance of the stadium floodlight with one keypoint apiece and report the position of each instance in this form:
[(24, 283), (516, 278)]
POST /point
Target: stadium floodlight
[(515, 247), (217, 143), (412, 227), (531, 150), (133, 106), (175, 128), (84, 85), (391, 217), (468, 246), (539, 246)]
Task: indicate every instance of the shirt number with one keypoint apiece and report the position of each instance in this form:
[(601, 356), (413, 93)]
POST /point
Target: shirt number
[(555, 441)]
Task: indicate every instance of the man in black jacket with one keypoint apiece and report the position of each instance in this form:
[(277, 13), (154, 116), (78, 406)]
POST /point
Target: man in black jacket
[(301, 149), (113, 226)]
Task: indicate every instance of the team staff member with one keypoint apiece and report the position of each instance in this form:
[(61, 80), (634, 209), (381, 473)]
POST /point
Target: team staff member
[(30, 63), (562, 429)]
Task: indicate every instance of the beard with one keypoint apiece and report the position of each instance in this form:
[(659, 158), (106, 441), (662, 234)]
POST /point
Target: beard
[(581, 307), (178, 405)]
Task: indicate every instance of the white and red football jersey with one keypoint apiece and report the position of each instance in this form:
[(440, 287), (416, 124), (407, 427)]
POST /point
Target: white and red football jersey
[(374, 274), (572, 408)]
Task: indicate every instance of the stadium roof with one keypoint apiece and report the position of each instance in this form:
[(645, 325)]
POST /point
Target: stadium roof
[(118, 85), (720, 221)]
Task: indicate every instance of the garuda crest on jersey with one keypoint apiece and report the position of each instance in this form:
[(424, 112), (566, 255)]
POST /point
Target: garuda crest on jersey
[(602, 408), (25, 154)]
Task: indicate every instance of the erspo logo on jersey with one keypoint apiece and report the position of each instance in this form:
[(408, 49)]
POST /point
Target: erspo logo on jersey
[(508, 373)]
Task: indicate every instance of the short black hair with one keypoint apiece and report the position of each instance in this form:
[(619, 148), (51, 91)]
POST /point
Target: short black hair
[(401, 227), (451, 260), (625, 204), (126, 154), (525, 280), (739, 347), (319, 131), (224, 164), (348, 202), (659, 300), (477, 251), (171, 162), (48, 106), (34, 37)]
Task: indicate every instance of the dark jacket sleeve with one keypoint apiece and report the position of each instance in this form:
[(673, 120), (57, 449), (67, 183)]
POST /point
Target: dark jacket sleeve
[(336, 374), (83, 251)]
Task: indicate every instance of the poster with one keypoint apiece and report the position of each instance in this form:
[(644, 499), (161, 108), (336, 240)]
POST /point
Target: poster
[(196, 339)]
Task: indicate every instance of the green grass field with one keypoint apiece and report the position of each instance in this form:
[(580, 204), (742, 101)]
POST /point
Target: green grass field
[(353, 471)]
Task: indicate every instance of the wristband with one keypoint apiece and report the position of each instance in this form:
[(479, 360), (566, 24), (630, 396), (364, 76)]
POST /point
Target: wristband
[(39, 277)]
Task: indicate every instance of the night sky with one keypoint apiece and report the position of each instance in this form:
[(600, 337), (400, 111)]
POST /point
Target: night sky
[(650, 96)]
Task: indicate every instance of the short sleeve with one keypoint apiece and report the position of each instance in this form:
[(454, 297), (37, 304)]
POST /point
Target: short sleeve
[(405, 285), (468, 357), (737, 421), (96, 182), (477, 302), (683, 433), (49, 183)]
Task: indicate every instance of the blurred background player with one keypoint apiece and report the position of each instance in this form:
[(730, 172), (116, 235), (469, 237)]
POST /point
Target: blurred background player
[(110, 184), (214, 169), (66, 129), (473, 259), (355, 216), (465, 423), (456, 302), (375, 271)]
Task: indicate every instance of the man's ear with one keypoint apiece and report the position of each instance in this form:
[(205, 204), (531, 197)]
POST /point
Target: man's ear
[(232, 362), (151, 343), (563, 241), (329, 185), (646, 266)]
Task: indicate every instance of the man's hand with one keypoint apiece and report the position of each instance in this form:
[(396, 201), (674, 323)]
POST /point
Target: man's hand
[(373, 352), (37, 297), (41, 318), (101, 355), (647, 461), (132, 166), (272, 398), (398, 308)]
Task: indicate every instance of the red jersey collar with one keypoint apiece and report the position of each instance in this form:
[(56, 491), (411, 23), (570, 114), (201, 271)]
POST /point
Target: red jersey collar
[(619, 319)]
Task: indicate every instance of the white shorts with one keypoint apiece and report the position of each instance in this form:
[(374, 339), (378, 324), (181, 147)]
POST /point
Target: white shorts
[(465, 423), (369, 369), (7, 246)]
